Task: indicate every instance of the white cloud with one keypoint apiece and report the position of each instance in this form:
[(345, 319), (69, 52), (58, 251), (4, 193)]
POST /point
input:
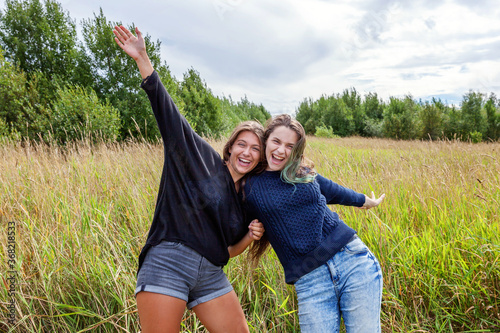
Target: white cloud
[(279, 52)]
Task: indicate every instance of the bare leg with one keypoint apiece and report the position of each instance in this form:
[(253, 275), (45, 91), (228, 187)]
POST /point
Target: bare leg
[(159, 313), (222, 314)]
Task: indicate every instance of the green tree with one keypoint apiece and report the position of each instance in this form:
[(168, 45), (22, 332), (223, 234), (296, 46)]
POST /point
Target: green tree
[(373, 106), (337, 115), (492, 118), (201, 106), (472, 118), (374, 110), (431, 119), (400, 119), (22, 113), (115, 76), (452, 122), (78, 114), (39, 37), (252, 111), (306, 115), (352, 100)]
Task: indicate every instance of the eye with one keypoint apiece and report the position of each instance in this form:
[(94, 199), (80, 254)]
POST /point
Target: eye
[(241, 144), (276, 141), (256, 149)]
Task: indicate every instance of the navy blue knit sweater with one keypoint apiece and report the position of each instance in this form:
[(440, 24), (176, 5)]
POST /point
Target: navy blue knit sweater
[(301, 228)]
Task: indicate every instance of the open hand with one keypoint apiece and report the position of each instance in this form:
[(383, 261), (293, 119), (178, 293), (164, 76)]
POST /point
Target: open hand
[(372, 202), (134, 46)]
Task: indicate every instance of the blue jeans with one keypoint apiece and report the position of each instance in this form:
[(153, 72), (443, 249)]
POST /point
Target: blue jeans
[(348, 285)]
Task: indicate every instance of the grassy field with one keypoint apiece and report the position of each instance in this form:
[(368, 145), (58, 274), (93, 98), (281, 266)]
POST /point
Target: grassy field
[(82, 214)]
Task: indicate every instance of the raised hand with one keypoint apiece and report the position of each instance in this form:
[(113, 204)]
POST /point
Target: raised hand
[(135, 47), (132, 45), (372, 202)]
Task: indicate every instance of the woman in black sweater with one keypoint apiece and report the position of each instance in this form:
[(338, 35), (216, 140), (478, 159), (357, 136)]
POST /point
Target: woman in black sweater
[(198, 221)]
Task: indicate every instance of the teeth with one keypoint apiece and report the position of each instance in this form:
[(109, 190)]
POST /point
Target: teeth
[(245, 161), (278, 158)]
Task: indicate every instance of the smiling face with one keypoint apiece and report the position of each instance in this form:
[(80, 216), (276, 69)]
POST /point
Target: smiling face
[(279, 146), (244, 155)]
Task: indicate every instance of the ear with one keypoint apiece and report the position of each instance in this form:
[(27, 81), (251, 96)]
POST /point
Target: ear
[(230, 148)]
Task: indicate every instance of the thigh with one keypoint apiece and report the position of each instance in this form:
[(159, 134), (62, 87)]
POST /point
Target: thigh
[(222, 314), (361, 287), (159, 313), (318, 302)]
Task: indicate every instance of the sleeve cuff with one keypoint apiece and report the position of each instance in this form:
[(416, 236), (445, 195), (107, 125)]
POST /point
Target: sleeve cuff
[(149, 80)]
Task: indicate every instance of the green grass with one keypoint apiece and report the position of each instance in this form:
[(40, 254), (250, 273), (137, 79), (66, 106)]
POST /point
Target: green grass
[(82, 215)]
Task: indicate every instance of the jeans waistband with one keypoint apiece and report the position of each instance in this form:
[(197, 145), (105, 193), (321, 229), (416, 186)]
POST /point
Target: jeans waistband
[(352, 238)]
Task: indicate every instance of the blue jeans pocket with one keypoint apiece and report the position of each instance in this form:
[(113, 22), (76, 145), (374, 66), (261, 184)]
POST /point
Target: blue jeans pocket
[(356, 247)]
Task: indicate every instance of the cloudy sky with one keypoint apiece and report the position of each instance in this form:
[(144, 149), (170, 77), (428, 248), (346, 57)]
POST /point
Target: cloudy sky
[(280, 52)]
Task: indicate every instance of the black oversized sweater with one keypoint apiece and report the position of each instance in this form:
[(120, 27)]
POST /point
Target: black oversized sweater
[(197, 202)]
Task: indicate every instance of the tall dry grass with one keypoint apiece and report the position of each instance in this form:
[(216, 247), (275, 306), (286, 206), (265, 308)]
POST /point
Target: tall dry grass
[(82, 214)]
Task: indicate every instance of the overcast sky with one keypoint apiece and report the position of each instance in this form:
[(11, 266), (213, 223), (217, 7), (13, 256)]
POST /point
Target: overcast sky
[(279, 52)]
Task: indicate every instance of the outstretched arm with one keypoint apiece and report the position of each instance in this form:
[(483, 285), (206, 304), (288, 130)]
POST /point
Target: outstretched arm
[(255, 233), (372, 202), (135, 47)]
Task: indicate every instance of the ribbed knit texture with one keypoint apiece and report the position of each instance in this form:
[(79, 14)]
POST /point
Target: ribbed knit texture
[(303, 231)]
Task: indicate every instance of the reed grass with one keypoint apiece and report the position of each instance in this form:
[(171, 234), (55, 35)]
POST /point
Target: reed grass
[(82, 213)]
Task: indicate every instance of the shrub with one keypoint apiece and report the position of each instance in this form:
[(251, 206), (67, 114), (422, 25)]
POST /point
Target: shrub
[(325, 132), (476, 136), (78, 114)]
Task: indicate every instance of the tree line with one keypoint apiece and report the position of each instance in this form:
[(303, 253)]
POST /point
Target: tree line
[(57, 88), (477, 119)]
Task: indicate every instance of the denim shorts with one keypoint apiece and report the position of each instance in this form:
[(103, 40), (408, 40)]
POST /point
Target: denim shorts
[(173, 269), (349, 285)]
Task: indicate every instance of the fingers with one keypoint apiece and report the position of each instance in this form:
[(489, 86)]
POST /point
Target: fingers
[(138, 33), (120, 36), (256, 229), (123, 34)]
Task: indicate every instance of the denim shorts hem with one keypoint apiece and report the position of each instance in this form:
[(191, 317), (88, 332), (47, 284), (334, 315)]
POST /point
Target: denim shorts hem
[(160, 290), (209, 297)]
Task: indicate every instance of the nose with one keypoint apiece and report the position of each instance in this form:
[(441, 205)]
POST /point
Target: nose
[(246, 152)]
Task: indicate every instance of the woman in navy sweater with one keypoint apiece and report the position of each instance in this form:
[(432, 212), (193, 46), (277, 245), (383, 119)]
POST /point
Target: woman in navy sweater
[(334, 273), (198, 221)]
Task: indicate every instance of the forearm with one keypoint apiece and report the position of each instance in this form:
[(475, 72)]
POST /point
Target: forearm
[(144, 64), (239, 247)]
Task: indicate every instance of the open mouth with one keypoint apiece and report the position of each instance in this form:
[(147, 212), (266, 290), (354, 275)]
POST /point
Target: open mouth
[(277, 159), (243, 162)]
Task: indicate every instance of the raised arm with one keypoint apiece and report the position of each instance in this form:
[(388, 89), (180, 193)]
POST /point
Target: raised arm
[(135, 47)]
